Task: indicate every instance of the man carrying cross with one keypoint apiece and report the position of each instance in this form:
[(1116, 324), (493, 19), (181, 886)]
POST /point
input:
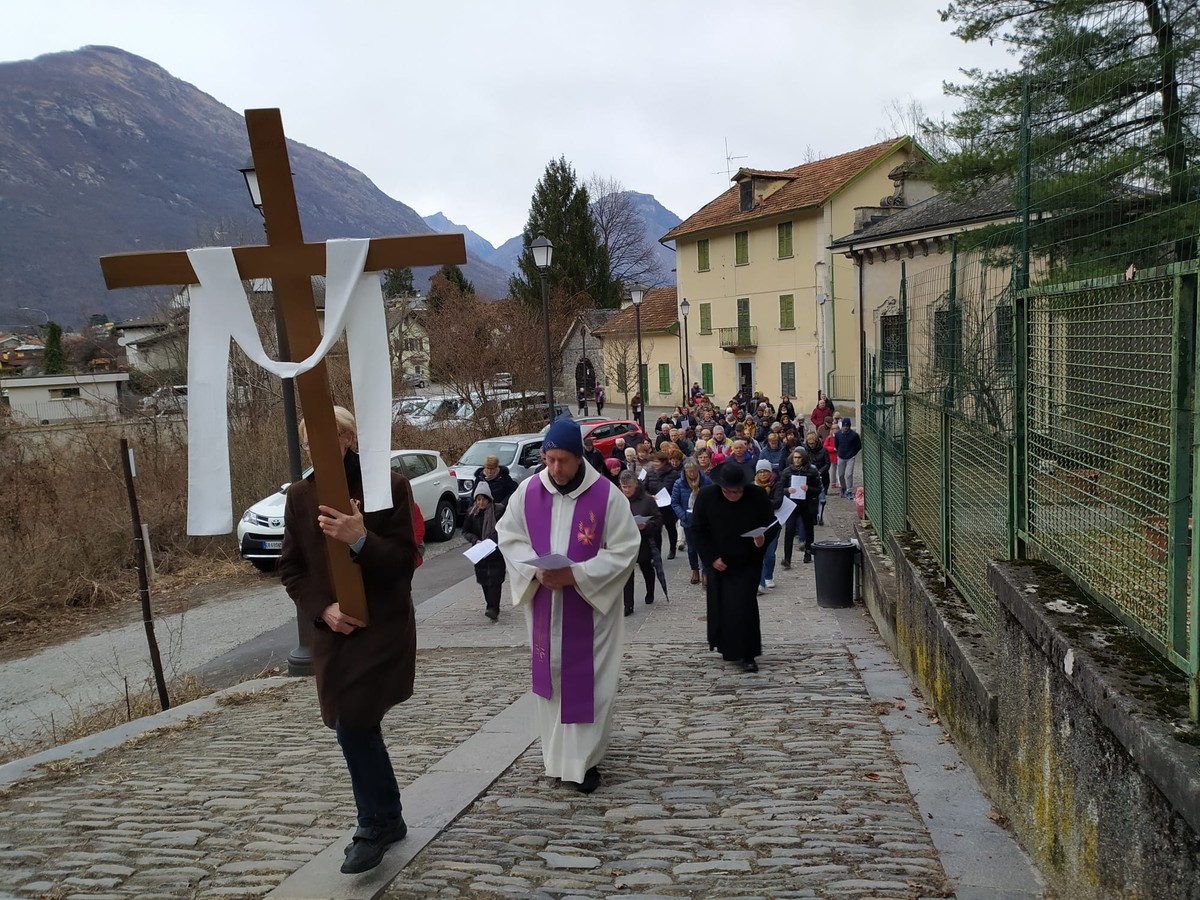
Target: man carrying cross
[(573, 605)]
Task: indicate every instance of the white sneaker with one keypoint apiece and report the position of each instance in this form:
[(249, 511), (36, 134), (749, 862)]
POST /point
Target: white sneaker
[(761, 590), (770, 583), (682, 545)]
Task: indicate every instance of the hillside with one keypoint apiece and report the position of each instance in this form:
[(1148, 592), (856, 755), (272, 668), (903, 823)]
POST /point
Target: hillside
[(102, 151)]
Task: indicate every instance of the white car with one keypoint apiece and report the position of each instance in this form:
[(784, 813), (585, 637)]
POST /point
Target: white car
[(260, 533)]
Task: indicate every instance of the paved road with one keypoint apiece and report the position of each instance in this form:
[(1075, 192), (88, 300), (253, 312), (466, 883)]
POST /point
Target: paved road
[(821, 775), (223, 642)]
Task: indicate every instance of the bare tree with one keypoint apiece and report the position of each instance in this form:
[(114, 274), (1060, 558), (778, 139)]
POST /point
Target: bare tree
[(620, 361), (908, 116), (630, 256)]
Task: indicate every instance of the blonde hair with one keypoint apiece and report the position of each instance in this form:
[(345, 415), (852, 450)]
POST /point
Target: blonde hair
[(346, 424)]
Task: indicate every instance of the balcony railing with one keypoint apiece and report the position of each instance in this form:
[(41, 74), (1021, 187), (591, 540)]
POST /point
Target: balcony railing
[(744, 338)]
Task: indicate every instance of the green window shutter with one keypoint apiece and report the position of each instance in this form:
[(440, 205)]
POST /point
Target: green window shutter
[(706, 318), (706, 381), (785, 239), (787, 311), (664, 378), (702, 255), (621, 376), (787, 379), (741, 248)]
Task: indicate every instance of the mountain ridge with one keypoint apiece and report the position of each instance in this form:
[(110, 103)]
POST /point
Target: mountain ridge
[(103, 151)]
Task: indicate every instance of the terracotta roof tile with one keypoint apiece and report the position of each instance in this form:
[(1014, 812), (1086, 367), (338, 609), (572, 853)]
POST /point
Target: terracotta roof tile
[(808, 185), (659, 312)]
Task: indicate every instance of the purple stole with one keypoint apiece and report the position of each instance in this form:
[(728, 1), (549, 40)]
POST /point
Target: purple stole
[(578, 676)]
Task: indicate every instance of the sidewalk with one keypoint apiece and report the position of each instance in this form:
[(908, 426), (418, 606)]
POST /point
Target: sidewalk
[(818, 776)]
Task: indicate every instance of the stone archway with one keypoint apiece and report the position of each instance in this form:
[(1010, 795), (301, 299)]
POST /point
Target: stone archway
[(585, 377)]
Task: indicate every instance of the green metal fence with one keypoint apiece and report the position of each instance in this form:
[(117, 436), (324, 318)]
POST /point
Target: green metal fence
[(1043, 380)]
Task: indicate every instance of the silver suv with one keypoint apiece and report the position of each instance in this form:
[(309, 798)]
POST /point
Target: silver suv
[(519, 452)]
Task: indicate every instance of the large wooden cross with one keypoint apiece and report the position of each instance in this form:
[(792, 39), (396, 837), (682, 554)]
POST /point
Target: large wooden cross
[(290, 263)]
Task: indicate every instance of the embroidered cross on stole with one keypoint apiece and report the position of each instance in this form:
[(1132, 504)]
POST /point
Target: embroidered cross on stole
[(577, 678)]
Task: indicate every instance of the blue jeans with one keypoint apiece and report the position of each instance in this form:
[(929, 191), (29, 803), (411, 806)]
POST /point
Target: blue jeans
[(693, 556), (376, 793), (768, 566)]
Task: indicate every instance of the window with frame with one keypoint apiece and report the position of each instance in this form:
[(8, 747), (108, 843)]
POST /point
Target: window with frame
[(1004, 338), (702, 255), (893, 343), (784, 232), (706, 378), (746, 195), (787, 379), (741, 248), (787, 312), (64, 393), (664, 378), (947, 339), (706, 318)]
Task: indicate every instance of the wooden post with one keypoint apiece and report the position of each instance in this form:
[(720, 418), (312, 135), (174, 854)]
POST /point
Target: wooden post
[(290, 263)]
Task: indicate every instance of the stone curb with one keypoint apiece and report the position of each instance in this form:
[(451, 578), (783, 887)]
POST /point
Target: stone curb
[(95, 744)]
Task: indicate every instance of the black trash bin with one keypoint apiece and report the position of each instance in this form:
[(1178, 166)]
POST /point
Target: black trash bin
[(833, 564)]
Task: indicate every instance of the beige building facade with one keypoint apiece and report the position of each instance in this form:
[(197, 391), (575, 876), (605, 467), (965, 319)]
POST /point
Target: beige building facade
[(770, 306)]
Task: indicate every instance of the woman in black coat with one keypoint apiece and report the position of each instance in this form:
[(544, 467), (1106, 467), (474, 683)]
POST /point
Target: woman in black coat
[(819, 457), (642, 504), (479, 524), (806, 499)]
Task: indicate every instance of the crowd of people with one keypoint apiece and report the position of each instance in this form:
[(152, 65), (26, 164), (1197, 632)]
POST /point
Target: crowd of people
[(573, 539)]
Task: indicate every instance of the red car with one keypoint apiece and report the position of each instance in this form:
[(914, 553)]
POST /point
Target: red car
[(604, 434)]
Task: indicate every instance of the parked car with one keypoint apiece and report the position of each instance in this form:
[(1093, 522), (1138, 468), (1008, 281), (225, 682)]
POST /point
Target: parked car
[(403, 407), (584, 423), (260, 533), (440, 411), (519, 452), (604, 434), (167, 399), (414, 379)]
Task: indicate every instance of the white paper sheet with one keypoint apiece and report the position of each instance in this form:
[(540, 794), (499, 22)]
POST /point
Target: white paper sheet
[(755, 532), (642, 520), (549, 561), (662, 498), (785, 510), (219, 312), (800, 484), (480, 550), (641, 474)]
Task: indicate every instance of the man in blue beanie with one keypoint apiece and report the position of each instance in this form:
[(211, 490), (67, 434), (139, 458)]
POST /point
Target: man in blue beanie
[(574, 605)]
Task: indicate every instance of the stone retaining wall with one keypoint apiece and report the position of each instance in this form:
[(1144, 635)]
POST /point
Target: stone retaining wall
[(1078, 732)]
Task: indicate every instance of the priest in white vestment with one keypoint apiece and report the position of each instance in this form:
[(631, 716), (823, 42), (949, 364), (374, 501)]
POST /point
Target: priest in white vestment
[(580, 535)]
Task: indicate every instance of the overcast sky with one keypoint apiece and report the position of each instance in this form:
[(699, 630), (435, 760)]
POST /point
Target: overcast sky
[(458, 105)]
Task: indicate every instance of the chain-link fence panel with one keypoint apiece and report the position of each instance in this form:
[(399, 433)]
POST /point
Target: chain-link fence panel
[(924, 471), (1099, 439)]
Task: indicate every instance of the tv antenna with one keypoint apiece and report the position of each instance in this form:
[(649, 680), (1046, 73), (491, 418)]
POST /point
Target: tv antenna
[(728, 162)]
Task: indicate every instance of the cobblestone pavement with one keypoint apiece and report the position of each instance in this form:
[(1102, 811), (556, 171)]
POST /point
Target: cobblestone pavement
[(718, 783)]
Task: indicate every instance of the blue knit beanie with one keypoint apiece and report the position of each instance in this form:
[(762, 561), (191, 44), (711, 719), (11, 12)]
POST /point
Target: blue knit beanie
[(564, 434)]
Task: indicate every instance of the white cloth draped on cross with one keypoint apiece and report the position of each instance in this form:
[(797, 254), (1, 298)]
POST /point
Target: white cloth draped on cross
[(219, 312)]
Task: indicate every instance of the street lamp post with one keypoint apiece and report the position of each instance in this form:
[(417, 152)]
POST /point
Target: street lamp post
[(42, 311), (684, 306), (636, 293), (299, 661), (543, 252)]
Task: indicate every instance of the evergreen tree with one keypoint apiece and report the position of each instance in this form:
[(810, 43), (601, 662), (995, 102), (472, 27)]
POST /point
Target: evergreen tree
[(54, 361), (398, 283), (451, 277), (1113, 116), (580, 266)]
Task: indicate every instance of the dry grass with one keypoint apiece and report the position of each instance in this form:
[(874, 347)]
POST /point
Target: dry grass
[(139, 702), (65, 527)]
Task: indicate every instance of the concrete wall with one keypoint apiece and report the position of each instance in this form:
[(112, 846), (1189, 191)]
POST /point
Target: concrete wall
[(1078, 733)]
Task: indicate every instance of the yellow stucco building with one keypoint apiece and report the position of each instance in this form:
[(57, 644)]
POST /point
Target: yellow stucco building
[(771, 307)]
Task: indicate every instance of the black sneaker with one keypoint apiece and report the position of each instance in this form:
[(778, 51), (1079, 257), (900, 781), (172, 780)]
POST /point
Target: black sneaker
[(787, 563), (749, 665), (649, 599), (366, 850), (629, 610), (808, 557), (492, 613), (591, 780)]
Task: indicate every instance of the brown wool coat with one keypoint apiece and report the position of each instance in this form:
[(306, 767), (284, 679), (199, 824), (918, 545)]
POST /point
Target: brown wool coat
[(360, 676)]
